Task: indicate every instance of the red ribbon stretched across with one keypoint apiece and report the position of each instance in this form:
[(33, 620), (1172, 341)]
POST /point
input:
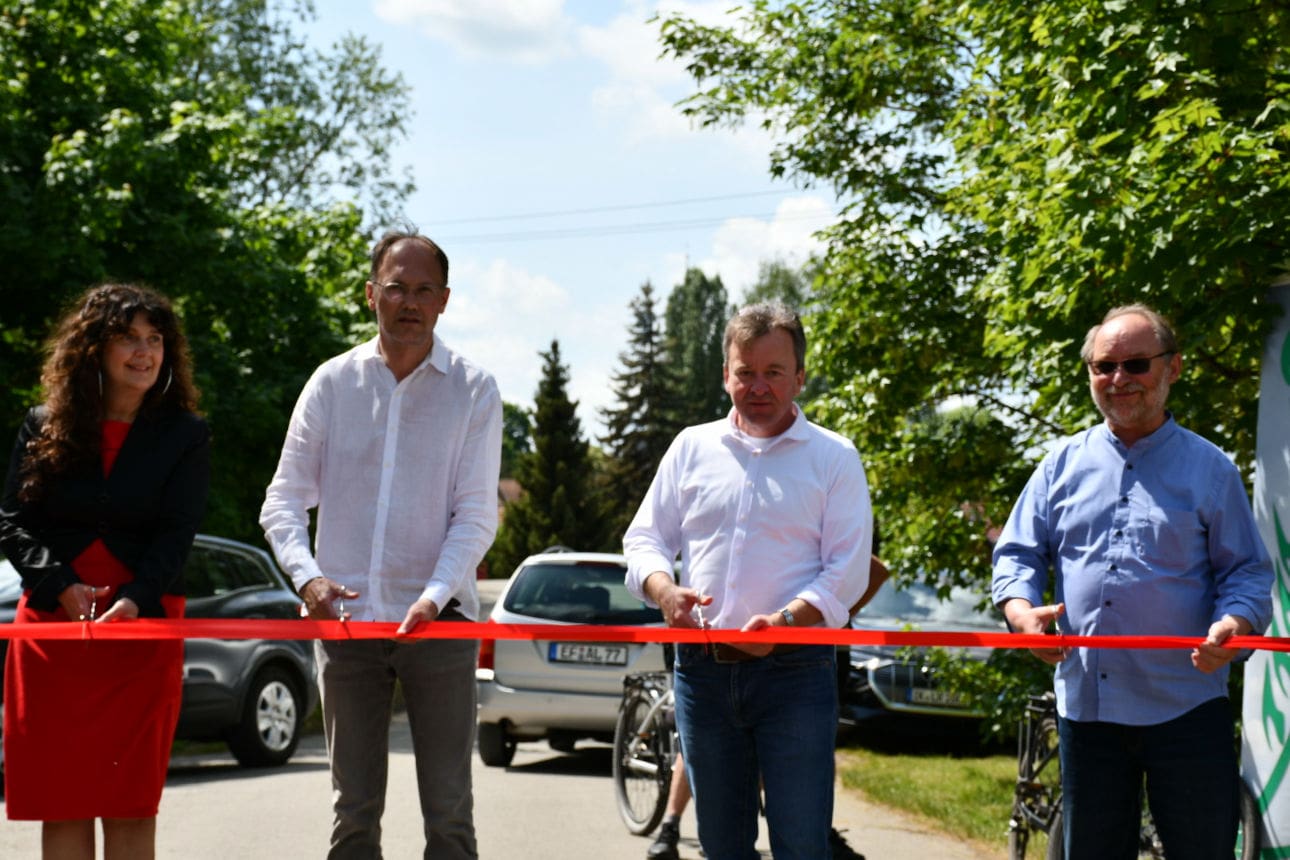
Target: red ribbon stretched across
[(212, 628)]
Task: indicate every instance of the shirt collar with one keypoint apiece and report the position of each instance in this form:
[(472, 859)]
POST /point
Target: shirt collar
[(1154, 438), (796, 431), (438, 357)]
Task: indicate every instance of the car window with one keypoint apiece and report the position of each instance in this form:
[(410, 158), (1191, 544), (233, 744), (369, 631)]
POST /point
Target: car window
[(585, 593), (917, 602), (212, 571)]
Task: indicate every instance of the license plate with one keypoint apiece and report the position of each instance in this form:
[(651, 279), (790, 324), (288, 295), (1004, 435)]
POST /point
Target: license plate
[(943, 698), (588, 652)]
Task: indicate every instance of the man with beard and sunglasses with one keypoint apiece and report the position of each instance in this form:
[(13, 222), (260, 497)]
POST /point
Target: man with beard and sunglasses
[(1147, 530), (397, 443)]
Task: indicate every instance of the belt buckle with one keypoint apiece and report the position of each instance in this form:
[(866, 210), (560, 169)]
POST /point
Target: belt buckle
[(720, 650)]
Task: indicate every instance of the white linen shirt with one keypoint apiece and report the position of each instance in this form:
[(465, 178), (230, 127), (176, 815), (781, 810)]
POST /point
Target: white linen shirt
[(757, 522), (404, 477)]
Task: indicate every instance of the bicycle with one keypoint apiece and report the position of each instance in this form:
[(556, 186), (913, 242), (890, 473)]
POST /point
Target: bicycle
[(645, 746), (1037, 799)]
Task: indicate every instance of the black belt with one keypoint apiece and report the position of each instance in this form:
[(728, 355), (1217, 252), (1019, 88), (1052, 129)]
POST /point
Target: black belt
[(724, 653)]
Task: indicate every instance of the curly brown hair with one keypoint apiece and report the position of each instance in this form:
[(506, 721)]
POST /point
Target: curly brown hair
[(73, 383)]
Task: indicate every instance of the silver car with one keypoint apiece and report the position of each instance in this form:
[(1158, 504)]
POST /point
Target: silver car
[(551, 688)]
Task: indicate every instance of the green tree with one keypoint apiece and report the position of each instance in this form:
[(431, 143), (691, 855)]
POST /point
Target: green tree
[(517, 431), (1009, 171), (696, 316), (777, 281), (644, 418), (559, 504), (204, 149)]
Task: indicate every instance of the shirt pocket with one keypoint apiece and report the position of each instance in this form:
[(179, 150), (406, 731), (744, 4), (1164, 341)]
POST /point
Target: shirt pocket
[(1173, 538)]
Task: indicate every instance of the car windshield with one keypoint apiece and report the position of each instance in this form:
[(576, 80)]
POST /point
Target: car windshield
[(917, 602), (583, 593)]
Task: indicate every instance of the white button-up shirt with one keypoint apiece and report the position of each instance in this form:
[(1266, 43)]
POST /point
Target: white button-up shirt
[(404, 477), (757, 522)]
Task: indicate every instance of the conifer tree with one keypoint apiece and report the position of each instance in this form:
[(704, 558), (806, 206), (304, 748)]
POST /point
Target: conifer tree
[(697, 312), (559, 506), (642, 424)]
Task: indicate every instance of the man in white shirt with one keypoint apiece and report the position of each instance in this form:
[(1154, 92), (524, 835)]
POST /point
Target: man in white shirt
[(397, 443), (770, 516)]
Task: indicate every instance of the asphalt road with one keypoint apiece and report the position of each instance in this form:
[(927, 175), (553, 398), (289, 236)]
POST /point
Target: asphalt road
[(545, 805)]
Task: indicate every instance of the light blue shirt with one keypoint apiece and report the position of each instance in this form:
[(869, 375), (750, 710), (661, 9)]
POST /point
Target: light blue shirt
[(1153, 539)]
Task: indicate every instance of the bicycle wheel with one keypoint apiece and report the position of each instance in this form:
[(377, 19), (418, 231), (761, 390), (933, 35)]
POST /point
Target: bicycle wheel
[(642, 765), (1249, 838), (1037, 801)]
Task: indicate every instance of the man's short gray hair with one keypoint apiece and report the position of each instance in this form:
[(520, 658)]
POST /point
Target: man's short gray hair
[(753, 321), (1164, 332)]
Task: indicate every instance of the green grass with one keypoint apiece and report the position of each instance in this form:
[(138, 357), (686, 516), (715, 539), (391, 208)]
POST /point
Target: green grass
[(965, 794)]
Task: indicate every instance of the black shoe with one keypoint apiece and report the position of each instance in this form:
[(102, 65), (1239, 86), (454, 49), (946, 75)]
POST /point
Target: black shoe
[(841, 850), (664, 845)]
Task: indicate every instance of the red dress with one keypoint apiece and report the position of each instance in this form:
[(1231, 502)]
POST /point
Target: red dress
[(88, 725)]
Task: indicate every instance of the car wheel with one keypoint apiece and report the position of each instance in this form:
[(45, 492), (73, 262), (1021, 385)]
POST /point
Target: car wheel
[(496, 749), (271, 720)]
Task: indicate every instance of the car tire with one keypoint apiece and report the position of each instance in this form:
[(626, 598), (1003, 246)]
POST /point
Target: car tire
[(496, 748), (272, 718)]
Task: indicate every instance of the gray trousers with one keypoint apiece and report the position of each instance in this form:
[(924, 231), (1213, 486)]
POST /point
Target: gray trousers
[(438, 679)]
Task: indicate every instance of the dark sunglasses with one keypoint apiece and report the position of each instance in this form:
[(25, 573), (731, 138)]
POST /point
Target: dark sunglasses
[(1132, 366)]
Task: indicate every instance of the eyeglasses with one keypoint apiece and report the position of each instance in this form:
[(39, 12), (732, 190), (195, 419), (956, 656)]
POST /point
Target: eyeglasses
[(400, 291), (1132, 366)]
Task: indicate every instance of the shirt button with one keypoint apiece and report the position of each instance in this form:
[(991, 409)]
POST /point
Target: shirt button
[(1124, 498), (1130, 467), (1103, 676), (1113, 567), (1108, 603), (1119, 533)]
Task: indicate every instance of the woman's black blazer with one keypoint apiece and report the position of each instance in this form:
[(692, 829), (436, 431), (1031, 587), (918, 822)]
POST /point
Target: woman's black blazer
[(146, 511)]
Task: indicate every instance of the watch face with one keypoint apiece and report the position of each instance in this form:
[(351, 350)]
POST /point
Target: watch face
[(788, 618)]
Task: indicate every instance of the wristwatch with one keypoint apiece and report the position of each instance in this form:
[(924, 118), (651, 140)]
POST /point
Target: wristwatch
[(788, 617)]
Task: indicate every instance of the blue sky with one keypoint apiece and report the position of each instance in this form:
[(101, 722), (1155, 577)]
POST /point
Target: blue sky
[(554, 169)]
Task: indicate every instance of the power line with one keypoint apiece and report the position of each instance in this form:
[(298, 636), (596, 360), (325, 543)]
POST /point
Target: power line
[(560, 213), (615, 229)]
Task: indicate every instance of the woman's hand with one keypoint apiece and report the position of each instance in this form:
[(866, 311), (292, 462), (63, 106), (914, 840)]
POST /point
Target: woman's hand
[(124, 609), (81, 601)]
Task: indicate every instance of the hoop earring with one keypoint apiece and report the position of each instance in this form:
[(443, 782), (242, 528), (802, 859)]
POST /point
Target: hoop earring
[(170, 377)]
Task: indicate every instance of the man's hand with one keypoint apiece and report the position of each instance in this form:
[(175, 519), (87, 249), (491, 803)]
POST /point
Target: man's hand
[(1210, 655), (677, 603), (320, 595), (759, 622), (1024, 618), (422, 610)]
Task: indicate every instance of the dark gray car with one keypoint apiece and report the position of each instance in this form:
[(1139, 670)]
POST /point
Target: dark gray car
[(252, 694)]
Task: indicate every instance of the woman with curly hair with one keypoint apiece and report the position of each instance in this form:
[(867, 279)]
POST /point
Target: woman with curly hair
[(105, 490)]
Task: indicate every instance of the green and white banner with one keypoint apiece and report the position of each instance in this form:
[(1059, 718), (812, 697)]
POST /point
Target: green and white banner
[(1265, 754)]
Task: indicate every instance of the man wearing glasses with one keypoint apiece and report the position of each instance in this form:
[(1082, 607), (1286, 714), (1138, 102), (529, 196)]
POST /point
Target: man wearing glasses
[(397, 442), (1148, 530)]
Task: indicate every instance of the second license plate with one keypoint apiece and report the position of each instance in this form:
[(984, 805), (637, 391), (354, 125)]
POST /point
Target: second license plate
[(588, 652)]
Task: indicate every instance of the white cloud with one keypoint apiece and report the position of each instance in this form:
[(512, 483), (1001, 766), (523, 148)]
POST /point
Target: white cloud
[(526, 31), (741, 245), (500, 317), (643, 87)]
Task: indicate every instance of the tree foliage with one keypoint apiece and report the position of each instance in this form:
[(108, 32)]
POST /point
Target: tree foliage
[(695, 324), (641, 424), (517, 433), (1009, 171), (205, 149), (559, 506)]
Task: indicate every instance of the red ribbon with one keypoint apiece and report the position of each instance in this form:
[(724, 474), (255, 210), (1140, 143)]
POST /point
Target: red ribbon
[(214, 628)]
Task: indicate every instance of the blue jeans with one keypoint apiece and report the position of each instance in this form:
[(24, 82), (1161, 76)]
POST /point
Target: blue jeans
[(770, 721), (1192, 785)]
